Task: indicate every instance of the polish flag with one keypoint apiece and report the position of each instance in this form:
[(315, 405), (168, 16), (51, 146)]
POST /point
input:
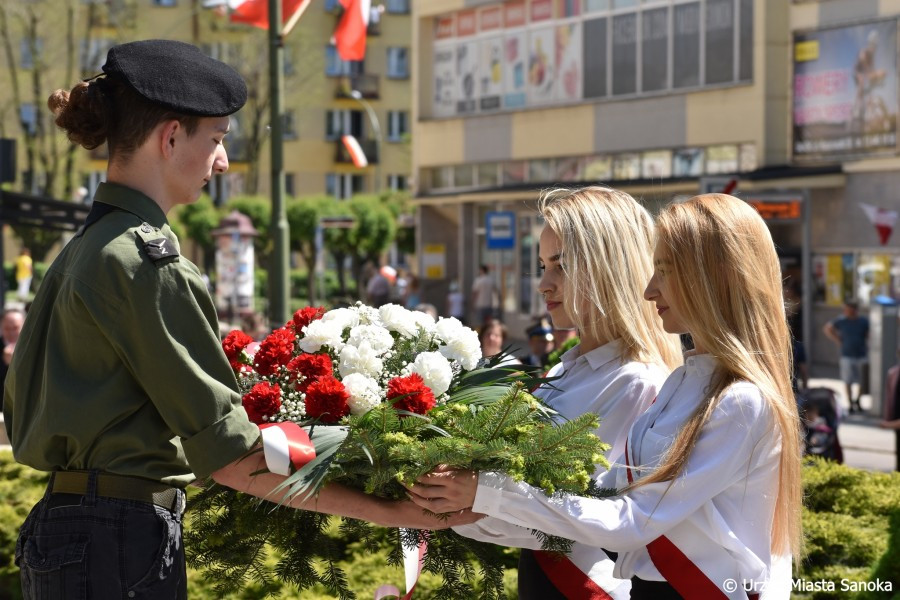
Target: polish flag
[(356, 151), (350, 35), (256, 12), (883, 220)]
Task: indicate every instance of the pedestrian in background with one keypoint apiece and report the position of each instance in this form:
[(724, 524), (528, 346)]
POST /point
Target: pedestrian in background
[(484, 292), (456, 303), (851, 334), (11, 327), (24, 273)]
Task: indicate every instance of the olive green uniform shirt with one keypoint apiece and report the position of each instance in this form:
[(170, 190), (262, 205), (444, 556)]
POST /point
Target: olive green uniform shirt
[(119, 366)]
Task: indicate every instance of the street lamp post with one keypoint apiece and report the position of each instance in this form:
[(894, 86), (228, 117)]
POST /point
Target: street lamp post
[(376, 129)]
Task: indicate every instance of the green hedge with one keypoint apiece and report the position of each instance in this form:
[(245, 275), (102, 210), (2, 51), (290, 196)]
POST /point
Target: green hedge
[(851, 519), (852, 526)]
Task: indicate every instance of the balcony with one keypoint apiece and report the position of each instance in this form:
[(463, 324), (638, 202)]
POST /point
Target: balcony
[(369, 147), (365, 83)]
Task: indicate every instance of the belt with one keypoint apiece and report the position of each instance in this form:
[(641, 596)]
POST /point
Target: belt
[(119, 487)]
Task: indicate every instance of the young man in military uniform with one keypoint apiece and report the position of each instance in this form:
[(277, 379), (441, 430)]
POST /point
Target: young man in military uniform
[(119, 385)]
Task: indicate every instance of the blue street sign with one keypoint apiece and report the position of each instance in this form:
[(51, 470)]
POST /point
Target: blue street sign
[(501, 230)]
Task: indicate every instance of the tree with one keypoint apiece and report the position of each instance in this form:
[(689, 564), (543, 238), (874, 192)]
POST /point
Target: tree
[(304, 216), (374, 229), (199, 219), (49, 157)]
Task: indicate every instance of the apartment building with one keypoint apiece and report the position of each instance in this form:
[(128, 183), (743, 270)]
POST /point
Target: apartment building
[(323, 96), (661, 98)]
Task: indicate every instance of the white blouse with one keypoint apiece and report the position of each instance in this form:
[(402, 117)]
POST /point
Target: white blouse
[(718, 512), (596, 382)]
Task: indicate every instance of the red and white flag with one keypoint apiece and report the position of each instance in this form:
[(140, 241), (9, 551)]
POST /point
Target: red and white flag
[(350, 35), (883, 220), (355, 150), (256, 12)]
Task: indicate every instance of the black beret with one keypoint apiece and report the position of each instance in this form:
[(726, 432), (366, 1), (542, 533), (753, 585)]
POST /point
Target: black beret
[(178, 76)]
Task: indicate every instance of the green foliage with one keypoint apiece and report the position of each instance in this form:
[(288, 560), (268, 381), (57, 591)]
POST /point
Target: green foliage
[(39, 240), (852, 528), (199, 219), (20, 489)]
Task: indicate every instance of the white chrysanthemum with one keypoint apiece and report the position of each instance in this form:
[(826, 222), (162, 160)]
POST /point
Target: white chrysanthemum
[(364, 393), (345, 317), (435, 371), (322, 333), (396, 318), (459, 343), (359, 359), (379, 338), (423, 320)]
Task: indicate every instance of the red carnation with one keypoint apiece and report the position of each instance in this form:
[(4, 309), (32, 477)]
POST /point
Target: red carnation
[(274, 351), (304, 317), (233, 344), (412, 394), (309, 367), (326, 399), (263, 400)]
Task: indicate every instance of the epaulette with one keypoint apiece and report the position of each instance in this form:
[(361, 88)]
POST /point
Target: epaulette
[(157, 246)]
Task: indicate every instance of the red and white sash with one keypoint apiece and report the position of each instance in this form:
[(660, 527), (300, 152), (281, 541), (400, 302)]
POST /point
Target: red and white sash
[(676, 567)]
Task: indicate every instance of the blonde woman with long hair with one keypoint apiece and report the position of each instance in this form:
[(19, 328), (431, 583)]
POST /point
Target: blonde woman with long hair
[(595, 252), (710, 477)]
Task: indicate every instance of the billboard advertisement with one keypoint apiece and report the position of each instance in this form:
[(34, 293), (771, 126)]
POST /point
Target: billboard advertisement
[(845, 91)]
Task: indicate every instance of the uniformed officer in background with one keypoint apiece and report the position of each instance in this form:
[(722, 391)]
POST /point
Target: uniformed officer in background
[(119, 385)]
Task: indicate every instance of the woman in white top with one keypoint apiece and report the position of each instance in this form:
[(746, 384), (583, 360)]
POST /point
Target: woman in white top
[(710, 476), (595, 253)]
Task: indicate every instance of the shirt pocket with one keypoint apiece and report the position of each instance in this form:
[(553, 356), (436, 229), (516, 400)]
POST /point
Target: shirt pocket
[(653, 446)]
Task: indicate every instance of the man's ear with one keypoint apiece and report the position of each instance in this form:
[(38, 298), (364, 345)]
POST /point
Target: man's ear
[(166, 134)]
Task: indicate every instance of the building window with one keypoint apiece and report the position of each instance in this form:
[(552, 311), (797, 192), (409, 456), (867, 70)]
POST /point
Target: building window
[(289, 184), (336, 67), (398, 182), (341, 122), (28, 116), (398, 7), (398, 125), (610, 49), (398, 63), (27, 56), (289, 125), (343, 185)]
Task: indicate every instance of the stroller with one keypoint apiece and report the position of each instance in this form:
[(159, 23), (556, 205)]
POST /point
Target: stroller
[(820, 415)]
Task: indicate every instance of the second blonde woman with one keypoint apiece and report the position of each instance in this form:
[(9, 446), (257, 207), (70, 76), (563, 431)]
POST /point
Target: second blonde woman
[(595, 252)]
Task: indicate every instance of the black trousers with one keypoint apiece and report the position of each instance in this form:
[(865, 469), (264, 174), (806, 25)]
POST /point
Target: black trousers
[(652, 590)]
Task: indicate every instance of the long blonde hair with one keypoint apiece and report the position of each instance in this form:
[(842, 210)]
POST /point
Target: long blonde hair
[(727, 284), (606, 242)]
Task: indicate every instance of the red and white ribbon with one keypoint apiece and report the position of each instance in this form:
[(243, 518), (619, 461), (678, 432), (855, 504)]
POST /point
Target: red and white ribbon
[(286, 444), (412, 568)]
